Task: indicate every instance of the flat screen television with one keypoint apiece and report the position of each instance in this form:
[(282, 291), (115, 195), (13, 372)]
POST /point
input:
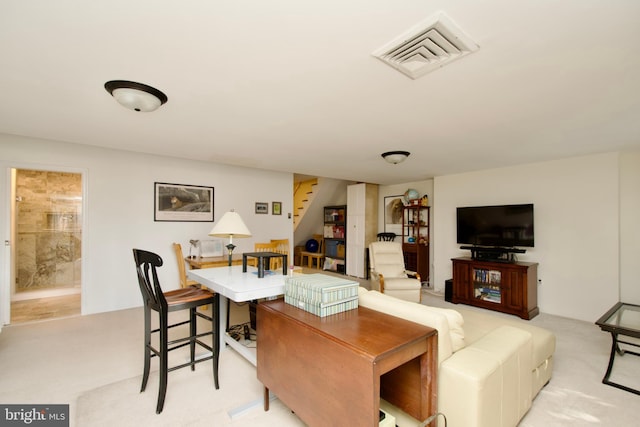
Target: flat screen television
[(505, 226)]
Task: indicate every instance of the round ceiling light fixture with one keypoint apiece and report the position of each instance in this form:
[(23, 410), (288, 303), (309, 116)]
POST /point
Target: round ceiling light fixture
[(395, 157), (136, 96)]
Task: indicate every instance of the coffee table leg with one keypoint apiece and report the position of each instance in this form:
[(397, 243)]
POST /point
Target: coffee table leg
[(615, 348)]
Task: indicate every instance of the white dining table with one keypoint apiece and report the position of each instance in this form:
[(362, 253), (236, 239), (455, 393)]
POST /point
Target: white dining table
[(232, 284)]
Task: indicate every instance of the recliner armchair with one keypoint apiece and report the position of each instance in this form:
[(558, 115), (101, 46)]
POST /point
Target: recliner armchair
[(388, 272)]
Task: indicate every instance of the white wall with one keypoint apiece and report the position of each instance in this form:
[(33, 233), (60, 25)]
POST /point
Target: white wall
[(576, 208), (629, 227), (119, 213)]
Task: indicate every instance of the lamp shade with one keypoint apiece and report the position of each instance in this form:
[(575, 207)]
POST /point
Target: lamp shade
[(230, 225)]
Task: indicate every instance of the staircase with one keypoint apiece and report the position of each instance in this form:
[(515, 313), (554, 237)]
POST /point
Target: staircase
[(303, 195), (310, 198)]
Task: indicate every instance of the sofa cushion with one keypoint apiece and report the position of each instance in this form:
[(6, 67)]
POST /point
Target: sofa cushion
[(401, 283), (456, 323), (477, 324), (413, 312), (410, 295), (389, 269), (387, 259), (490, 377)]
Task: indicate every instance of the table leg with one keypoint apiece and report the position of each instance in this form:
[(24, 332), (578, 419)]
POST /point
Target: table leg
[(227, 339), (261, 267), (615, 348), (223, 307)]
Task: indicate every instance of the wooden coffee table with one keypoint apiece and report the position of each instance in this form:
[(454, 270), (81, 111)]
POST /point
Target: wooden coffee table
[(334, 370)]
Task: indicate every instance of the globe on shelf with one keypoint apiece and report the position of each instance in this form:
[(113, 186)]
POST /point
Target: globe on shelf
[(409, 195)]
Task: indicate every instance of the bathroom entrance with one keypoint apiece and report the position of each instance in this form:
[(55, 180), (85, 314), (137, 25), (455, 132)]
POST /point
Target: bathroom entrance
[(46, 254)]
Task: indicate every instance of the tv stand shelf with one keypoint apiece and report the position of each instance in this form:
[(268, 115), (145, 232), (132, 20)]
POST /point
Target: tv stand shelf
[(506, 287), (494, 253)]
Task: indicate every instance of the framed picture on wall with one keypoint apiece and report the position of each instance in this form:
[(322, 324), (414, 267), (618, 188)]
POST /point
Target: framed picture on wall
[(393, 208), (276, 208), (180, 202), (262, 208)]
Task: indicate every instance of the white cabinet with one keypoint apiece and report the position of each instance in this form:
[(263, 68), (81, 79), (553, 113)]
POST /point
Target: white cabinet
[(362, 225)]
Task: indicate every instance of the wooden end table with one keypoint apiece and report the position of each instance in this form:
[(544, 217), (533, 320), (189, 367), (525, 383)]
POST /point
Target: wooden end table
[(212, 261), (333, 370)]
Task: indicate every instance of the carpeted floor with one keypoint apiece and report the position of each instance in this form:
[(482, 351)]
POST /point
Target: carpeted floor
[(191, 400), (94, 364)]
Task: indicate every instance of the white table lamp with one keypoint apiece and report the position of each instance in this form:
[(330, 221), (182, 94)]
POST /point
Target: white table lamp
[(230, 225)]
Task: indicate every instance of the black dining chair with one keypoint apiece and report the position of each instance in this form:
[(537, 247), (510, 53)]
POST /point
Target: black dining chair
[(386, 237), (164, 303)]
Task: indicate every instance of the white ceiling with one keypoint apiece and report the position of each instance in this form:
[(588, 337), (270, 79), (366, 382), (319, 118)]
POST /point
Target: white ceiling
[(290, 85)]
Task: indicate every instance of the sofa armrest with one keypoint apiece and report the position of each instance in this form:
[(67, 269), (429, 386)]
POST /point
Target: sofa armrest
[(413, 274), (488, 383), (377, 279)]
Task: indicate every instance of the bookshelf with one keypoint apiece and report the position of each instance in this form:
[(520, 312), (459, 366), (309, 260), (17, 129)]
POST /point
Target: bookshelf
[(487, 285), (415, 239), (506, 287), (335, 235)]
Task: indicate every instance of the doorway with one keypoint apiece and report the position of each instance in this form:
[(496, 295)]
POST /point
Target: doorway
[(46, 228)]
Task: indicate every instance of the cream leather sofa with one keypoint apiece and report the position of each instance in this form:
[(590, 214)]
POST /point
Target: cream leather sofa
[(491, 367)]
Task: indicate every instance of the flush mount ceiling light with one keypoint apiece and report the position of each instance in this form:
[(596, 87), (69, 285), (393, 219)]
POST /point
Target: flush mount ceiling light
[(136, 96), (395, 157)]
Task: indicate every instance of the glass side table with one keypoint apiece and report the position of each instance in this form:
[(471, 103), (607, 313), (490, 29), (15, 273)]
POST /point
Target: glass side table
[(622, 319)]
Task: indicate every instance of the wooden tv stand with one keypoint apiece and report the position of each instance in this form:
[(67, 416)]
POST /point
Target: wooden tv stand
[(333, 370), (508, 287)]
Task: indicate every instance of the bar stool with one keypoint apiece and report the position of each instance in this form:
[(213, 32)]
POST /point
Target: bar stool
[(163, 303)]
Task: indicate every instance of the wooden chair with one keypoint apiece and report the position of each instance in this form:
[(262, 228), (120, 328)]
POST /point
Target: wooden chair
[(163, 303), (182, 271), (386, 237), (282, 247), (263, 247), (317, 256)]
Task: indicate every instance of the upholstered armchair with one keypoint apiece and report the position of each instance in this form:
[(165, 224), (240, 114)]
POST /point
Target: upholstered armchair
[(388, 273)]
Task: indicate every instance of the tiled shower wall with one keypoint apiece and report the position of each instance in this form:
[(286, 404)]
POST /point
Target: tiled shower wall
[(48, 228)]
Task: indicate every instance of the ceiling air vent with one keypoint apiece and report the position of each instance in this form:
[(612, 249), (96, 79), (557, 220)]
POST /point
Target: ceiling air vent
[(429, 45)]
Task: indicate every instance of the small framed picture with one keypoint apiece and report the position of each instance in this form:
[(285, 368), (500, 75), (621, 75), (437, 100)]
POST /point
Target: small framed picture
[(276, 208), (262, 208)]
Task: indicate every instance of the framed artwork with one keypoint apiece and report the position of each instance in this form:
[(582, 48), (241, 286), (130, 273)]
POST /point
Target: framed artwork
[(276, 208), (262, 208), (180, 202), (393, 209)]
